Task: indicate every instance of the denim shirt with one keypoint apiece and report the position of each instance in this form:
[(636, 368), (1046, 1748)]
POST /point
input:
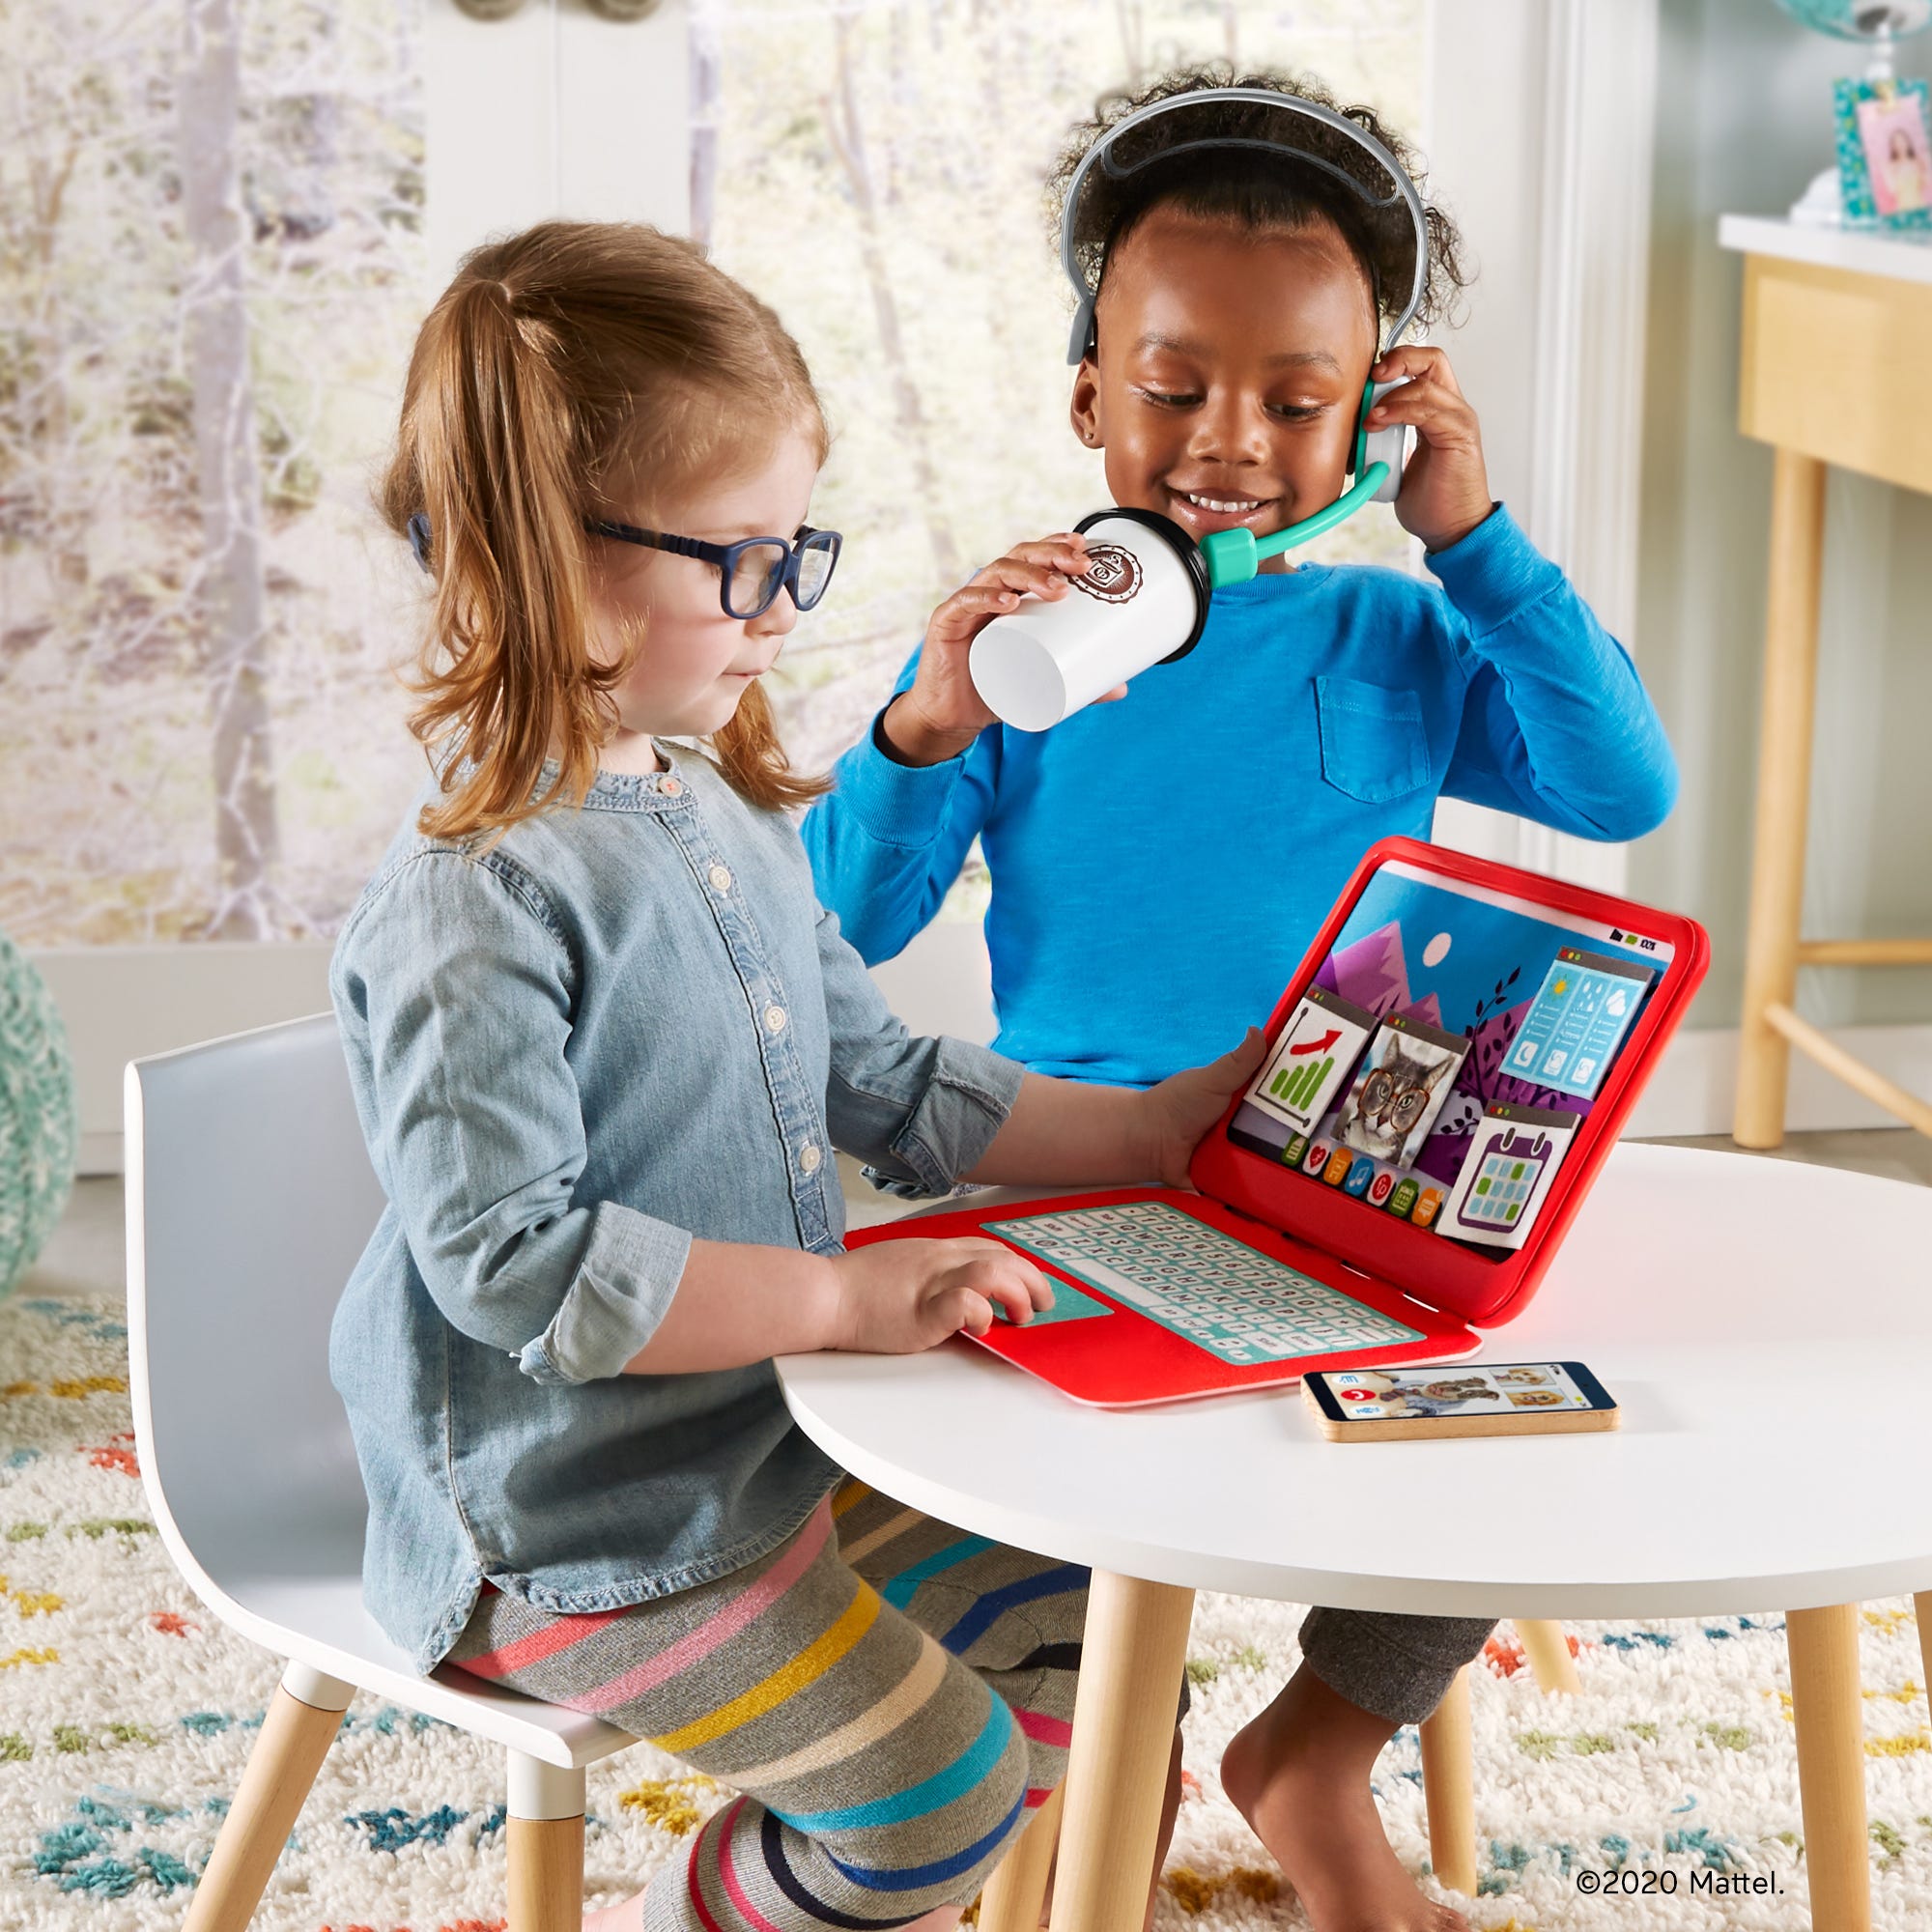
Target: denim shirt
[(621, 1027)]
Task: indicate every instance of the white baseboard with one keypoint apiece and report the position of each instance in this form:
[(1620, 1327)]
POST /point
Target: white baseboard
[(122, 1003), (1691, 1090)]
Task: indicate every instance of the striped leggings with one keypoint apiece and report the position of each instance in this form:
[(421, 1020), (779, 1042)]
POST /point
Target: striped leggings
[(889, 1697)]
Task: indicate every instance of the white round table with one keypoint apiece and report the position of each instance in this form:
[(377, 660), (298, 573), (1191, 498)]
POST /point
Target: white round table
[(1746, 1313)]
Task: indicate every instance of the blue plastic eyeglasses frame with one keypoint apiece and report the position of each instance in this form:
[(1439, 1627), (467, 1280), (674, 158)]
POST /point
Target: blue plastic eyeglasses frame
[(725, 557)]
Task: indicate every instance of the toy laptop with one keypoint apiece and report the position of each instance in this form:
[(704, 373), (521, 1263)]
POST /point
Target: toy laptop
[(1444, 1079)]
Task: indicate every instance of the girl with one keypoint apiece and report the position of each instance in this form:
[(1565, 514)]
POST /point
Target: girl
[(602, 1042), (1240, 296)]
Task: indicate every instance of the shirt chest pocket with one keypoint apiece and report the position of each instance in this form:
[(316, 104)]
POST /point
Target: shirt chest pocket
[(1373, 743)]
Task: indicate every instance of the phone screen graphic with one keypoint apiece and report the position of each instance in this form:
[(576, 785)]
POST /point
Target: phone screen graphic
[(1388, 1395)]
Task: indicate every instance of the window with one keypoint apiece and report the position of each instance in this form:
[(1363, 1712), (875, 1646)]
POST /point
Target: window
[(201, 722), (212, 266)]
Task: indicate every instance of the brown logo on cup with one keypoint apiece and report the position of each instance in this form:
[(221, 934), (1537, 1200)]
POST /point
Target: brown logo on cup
[(1112, 573)]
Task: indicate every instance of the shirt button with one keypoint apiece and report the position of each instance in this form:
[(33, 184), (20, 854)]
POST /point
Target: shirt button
[(721, 877), (669, 788), (775, 1019), (808, 1158)]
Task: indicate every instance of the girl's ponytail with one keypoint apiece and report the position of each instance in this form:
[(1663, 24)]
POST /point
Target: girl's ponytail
[(553, 360), (493, 445)]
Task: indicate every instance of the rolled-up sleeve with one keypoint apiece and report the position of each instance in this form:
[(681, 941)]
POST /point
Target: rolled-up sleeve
[(457, 983), (919, 1112)]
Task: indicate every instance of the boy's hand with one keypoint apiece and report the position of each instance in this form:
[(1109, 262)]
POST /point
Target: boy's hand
[(898, 1298), (1445, 490), (1186, 1105), (942, 714)]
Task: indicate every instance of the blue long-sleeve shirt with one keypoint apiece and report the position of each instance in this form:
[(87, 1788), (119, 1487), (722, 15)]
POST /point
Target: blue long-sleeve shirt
[(1160, 864)]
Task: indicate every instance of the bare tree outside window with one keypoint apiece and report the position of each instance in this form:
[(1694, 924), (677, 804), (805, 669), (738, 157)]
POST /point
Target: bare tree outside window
[(211, 270)]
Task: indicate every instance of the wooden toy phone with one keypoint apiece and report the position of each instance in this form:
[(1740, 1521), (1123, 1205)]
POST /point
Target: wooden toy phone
[(1446, 1075), (1508, 1399)]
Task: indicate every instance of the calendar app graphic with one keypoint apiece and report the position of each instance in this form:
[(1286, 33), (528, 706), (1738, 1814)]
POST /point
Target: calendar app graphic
[(1506, 1174), (1313, 1058)]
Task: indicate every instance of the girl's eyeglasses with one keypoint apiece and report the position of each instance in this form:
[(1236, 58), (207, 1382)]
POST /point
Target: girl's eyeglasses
[(751, 573)]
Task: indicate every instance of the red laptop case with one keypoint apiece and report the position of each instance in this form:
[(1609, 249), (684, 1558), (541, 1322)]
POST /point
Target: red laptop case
[(1416, 1275)]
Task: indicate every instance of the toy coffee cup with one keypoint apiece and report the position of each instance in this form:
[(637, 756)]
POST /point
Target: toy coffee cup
[(1143, 600)]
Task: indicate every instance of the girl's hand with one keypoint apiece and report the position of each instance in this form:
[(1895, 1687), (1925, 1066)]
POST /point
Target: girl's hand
[(1186, 1105), (1445, 490), (898, 1298), (942, 714)]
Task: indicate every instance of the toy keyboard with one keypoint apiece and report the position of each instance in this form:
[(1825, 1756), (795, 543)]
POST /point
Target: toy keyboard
[(1202, 1285)]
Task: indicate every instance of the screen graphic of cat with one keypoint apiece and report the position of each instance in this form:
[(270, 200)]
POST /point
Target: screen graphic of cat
[(1399, 1091)]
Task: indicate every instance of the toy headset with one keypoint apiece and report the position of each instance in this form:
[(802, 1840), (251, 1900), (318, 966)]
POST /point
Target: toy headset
[(1043, 660)]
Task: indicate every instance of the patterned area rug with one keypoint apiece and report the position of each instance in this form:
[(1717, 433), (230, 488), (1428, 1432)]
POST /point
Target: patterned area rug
[(126, 1712)]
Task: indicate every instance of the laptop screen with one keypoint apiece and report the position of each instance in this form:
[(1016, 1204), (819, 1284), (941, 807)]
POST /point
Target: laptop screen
[(1451, 1045)]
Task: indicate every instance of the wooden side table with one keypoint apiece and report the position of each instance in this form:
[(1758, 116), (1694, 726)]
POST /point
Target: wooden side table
[(1833, 371)]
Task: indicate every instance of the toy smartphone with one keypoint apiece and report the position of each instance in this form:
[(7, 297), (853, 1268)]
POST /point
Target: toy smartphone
[(1398, 1404)]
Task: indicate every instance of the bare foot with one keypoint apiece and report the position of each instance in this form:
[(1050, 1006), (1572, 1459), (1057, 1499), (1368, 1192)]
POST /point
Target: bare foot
[(1300, 1775), (626, 1918)]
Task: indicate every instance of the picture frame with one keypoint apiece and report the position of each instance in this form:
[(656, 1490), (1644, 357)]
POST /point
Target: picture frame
[(1885, 154)]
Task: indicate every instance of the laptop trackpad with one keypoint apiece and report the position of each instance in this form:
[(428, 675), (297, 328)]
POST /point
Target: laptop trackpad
[(1069, 1305)]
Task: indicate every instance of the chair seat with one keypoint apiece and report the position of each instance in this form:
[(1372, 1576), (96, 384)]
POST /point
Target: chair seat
[(320, 1621), (298, 1590)]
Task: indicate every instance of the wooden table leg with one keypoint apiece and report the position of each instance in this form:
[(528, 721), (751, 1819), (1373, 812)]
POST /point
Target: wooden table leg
[(1546, 1647), (1011, 1900), (1131, 1657), (1784, 793), (1921, 1606), (1830, 1715), (546, 1846), (1448, 1788)]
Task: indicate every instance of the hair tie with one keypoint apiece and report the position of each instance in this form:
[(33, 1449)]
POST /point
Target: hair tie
[(418, 529)]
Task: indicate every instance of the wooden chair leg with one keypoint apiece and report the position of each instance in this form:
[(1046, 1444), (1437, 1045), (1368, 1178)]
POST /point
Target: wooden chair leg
[(1449, 1788), (1131, 1657), (1830, 1716), (1014, 1896), (301, 1725), (1548, 1650), (546, 1845)]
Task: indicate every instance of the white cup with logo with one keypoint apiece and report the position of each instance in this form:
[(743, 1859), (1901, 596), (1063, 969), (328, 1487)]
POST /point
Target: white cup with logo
[(1143, 600)]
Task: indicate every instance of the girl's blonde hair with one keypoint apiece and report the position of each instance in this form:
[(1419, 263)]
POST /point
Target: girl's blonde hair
[(579, 369)]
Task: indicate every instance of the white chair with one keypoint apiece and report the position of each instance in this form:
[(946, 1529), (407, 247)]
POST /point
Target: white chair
[(249, 1199)]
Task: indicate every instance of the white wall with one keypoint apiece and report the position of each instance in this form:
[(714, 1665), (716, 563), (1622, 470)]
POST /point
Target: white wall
[(1743, 121)]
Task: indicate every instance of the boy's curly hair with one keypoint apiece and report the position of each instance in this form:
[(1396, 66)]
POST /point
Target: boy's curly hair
[(1253, 189)]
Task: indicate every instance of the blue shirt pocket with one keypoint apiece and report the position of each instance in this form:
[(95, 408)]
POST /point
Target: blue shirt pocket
[(1373, 747)]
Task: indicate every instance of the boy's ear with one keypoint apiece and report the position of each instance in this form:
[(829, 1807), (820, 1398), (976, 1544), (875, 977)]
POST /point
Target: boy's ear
[(1084, 409)]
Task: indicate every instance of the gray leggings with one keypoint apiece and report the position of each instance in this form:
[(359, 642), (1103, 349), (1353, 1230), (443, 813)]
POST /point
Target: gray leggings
[(1397, 1666)]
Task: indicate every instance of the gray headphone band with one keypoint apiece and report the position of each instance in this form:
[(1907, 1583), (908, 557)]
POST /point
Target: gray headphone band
[(1261, 96)]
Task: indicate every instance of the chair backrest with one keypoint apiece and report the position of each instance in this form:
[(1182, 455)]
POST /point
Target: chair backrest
[(250, 1197)]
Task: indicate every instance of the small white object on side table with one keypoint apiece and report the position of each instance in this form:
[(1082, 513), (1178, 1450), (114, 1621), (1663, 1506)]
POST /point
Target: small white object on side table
[(1737, 1308)]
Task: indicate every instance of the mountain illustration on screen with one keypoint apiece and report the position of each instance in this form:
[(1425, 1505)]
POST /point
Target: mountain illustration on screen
[(1480, 1080), (1373, 974)]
